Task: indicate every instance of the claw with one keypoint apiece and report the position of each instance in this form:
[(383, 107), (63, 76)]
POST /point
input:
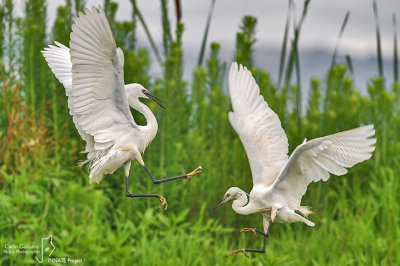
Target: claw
[(249, 230), (237, 251), (163, 203), (198, 170)]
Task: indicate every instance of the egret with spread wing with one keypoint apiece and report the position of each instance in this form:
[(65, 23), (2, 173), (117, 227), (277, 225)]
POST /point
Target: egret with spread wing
[(93, 76), (279, 181)]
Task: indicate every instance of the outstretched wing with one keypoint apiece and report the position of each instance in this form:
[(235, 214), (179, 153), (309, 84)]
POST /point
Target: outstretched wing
[(316, 159), (258, 127), (58, 59), (98, 95)]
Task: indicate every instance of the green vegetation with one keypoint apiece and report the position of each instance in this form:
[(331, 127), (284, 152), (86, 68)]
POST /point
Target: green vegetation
[(43, 192)]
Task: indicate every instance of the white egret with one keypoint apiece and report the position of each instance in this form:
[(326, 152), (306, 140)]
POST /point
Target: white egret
[(93, 76), (279, 181)]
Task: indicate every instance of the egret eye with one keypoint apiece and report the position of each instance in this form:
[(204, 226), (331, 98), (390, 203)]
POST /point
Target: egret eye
[(228, 195), (143, 91)]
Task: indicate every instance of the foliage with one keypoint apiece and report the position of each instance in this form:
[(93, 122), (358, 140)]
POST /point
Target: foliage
[(43, 192)]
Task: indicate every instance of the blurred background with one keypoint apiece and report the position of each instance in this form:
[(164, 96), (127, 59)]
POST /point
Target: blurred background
[(322, 66)]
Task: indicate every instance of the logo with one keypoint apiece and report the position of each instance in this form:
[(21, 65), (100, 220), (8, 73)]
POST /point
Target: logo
[(48, 243), (43, 252)]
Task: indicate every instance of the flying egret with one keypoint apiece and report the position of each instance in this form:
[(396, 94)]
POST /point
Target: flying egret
[(93, 76), (279, 181)]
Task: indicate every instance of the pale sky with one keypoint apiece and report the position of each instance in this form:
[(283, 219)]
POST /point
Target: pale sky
[(320, 29), (319, 32)]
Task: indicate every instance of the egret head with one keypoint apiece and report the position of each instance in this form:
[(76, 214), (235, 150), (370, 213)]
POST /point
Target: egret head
[(232, 193), (136, 91)]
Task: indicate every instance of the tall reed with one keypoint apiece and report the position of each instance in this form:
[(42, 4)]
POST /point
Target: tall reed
[(43, 192)]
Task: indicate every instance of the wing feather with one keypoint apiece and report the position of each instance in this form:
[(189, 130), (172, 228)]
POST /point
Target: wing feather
[(92, 75), (97, 80), (315, 160), (258, 127), (58, 59)]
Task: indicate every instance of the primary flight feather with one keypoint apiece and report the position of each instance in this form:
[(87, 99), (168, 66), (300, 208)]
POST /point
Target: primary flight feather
[(280, 181)]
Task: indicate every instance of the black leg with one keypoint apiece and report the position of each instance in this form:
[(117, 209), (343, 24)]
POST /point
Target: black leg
[(265, 241), (188, 176), (161, 198), (254, 230)]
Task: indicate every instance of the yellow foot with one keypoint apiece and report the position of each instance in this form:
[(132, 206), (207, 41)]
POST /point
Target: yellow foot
[(237, 251), (164, 203), (249, 230), (196, 171)]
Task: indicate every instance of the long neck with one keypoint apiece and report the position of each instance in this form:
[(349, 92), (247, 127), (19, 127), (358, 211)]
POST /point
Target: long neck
[(150, 129), (243, 205)]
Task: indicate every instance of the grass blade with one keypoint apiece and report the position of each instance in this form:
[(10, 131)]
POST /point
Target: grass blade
[(346, 18), (395, 55), (304, 14), (146, 29), (295, 61), (378, 38), (205, 35), (167, 36), (295, 40), (2, 27), (350, 67), (284, 43)]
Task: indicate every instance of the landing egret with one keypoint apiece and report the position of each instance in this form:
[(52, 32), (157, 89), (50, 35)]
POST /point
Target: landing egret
[(279, 181), (93, 76)]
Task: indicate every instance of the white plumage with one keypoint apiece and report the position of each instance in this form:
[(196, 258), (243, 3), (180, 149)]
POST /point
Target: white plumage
[(279, 181), (314, 160), (91, 71), (258, 127), (92, 74)]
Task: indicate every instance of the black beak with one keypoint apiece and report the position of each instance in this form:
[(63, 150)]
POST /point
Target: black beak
[(155, 99), (219, 203)]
